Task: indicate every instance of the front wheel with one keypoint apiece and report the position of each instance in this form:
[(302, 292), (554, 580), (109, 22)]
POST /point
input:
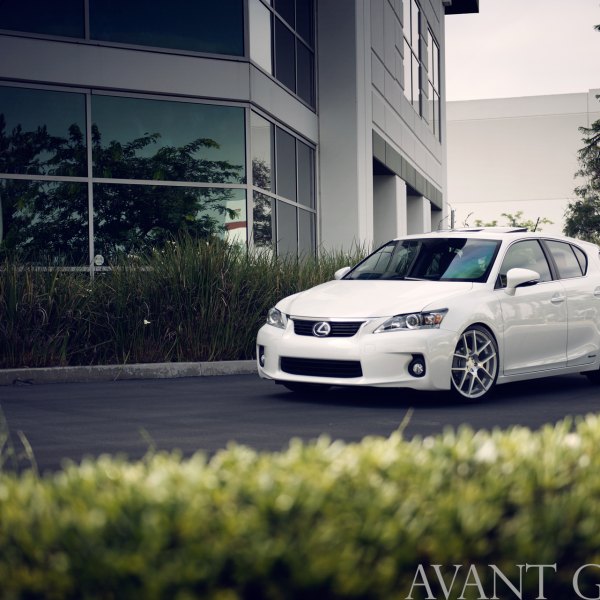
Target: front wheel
[(475, 363)]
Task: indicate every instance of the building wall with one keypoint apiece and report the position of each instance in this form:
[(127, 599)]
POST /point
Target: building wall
[(366, 116), (329, 146), (516, 154)]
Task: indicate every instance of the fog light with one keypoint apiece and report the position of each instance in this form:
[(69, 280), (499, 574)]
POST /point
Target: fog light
[(417, 366), (261, 356)]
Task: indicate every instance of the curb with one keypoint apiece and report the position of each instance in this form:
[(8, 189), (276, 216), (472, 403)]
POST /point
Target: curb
[(119, 372)]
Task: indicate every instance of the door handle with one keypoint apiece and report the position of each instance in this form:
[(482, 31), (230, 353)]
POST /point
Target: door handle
[(597, 292), (557, 299)]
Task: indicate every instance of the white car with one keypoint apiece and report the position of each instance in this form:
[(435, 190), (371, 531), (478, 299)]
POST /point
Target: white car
[(461, 310)]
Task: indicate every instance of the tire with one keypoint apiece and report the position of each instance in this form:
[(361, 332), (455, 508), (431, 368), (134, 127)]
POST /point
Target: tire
[(475, 364), (304, 388)]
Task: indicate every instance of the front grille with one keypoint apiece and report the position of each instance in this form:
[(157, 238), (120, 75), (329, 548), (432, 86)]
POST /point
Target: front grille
[(338, 328), (321, 368)]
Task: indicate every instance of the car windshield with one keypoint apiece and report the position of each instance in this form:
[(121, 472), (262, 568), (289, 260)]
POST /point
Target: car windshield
[(434, 259)]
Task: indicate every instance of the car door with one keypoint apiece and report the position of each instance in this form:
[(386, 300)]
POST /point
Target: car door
[(535, 317), (583, 301)]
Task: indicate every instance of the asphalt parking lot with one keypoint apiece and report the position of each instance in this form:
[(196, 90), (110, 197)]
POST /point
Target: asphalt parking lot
[(71, 421)]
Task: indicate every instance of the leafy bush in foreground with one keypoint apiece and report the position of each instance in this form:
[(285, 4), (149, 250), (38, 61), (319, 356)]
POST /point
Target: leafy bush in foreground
[(191, 301), (322, 520)]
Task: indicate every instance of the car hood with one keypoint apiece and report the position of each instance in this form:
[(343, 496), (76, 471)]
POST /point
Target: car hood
[(360, 299)]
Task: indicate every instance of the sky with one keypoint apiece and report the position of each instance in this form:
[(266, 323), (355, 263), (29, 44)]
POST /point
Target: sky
[(523, 48)]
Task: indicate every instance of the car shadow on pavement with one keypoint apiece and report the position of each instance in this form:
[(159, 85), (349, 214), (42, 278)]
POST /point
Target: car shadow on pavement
[(531, 391)]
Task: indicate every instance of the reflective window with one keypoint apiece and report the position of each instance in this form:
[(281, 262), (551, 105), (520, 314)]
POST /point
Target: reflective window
[(285, 8), (213, 27), (64, 18), (285, 55), (439, 259), (44, 222), (525, 255), (286, 164), (581, 259), (262, 152), (129, 217), (291, 29), (306, 233), (305, 20), (287, 229), (565, 259), (411, 53), (305, 88), (42, 132), (169, 141), (263, 221), (306, 179), (433, 76), (260, 35)]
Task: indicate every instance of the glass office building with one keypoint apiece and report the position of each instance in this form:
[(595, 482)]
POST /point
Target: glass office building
[(282, 124)]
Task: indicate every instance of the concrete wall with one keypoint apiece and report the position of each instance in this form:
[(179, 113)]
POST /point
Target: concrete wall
[(516, 154), (393, 116)]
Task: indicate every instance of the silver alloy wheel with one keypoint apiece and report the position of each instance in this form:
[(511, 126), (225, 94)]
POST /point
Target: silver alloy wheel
[(475, 363)]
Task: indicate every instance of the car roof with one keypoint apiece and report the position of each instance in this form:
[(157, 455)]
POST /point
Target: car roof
[(499, 234)]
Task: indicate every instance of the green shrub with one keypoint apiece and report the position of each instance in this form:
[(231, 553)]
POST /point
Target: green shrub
[(320, 520), (191, 301)]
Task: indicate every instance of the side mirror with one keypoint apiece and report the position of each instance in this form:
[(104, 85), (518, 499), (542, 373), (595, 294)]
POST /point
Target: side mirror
[(341, 272), (520, 277)]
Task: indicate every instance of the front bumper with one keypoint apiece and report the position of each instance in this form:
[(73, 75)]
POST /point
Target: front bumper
[(384, 357)]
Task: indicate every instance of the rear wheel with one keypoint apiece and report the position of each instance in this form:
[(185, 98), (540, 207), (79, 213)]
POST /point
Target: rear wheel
[(304, 388), (475, 363)]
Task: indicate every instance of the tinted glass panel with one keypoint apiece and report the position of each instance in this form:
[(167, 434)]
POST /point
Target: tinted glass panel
[(304, 20), (407, 72), (305, 74), (525, 255), (306, 185), (439, 259), (568, 265), (42, 132), (215, 27), (581, 259), (263, 221), (306, 237), (286, 165), (45, 221), (260, 35), (41, 16), (171, 141), (129, 217), (262, 152), (285, 59), (286, 9), (287, 229)]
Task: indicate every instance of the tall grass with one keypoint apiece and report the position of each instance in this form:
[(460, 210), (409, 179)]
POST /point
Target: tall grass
[(190, 301)]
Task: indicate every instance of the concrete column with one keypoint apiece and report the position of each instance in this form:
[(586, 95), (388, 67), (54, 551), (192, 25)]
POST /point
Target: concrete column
[(345, 116), (389, 208), (418, 212)]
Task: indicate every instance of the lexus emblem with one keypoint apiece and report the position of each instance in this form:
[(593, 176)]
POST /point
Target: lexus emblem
[(321, 329)]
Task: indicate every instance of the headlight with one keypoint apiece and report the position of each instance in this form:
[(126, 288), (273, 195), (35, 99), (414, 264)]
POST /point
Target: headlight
[(276, 318), (423, 320)]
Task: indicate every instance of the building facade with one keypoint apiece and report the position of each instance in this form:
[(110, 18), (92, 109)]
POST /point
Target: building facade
[(283, 124), (516, 154)]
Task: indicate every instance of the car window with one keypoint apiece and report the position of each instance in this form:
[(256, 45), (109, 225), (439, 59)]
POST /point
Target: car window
[(565, 259), (525, 255), (436, 259), (581, 257)]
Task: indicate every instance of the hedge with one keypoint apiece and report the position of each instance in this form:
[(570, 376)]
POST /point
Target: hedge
[(190, 301), (320, 520)]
